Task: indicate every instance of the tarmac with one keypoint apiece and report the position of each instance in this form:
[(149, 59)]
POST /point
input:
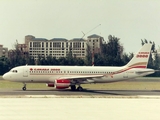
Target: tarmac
[(68, 92), (50, 104), (39, 108)]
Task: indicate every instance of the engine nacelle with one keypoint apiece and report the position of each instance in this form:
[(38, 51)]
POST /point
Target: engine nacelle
[(50, 85), (62, 84)]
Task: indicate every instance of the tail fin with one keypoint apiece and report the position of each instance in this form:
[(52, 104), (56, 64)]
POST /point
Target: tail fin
[(140, 59)]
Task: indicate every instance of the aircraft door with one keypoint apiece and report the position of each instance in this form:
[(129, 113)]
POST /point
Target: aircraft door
[(25, 72), (125, 75)]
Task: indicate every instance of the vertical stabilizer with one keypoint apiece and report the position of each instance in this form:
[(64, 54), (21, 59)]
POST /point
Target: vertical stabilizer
[(140, 59)]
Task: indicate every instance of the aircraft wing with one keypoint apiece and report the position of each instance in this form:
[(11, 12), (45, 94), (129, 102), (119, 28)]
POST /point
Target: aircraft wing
[(81, 77), (71, 77)]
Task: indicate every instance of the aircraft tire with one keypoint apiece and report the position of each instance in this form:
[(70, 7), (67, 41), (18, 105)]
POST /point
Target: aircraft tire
[(80, 88), (24, 88)]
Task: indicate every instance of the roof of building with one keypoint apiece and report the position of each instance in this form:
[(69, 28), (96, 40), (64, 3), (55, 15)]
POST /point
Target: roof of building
[(94, 36), (39, 39), (58, 39), (77, 39), (29, 36)]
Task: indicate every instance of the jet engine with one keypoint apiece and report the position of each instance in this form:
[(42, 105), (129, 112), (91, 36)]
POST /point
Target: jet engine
[(50, 85), (60, 84)]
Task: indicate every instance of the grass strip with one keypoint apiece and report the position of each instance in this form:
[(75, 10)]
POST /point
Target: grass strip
[(124, 85)]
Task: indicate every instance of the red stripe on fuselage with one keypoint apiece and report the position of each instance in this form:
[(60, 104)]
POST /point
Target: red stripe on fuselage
[(128, 68)]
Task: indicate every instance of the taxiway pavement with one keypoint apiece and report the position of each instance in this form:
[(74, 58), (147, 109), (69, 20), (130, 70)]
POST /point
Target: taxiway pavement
[(68, 92), (79, 109), (86, 92)]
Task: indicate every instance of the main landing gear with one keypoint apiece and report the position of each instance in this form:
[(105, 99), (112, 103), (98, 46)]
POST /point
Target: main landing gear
[(79, 88), (24, 87)]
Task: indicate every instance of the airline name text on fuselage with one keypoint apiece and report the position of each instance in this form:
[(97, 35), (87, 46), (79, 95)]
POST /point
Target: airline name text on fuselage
[(45, 69)]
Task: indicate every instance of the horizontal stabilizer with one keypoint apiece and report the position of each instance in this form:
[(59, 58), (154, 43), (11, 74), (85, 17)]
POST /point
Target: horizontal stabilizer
[(145, 71)]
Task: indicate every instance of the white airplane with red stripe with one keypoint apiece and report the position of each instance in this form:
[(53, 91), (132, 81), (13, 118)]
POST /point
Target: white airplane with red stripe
[(62, 77)]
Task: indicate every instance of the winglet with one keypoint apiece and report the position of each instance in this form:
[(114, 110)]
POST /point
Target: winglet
[(140, 59)]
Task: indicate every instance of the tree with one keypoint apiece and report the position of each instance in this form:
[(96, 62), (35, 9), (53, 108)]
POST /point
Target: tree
[(99, 60), (112, 51), (79, 61), (62, 61)]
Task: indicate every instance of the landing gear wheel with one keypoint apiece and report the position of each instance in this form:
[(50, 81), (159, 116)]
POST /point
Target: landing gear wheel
[(24, 88), (80, 88), (73, 87)]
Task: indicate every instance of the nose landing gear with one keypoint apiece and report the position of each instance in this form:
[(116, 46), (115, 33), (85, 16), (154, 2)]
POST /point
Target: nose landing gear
[(24, 87)]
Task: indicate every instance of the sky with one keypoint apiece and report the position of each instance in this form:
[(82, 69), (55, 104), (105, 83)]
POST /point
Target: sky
[(129, 20)]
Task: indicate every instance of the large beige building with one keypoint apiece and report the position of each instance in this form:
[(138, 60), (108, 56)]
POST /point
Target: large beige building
[(57, 47), (95, 42), (43, 47), (61, 47), (3, 51)]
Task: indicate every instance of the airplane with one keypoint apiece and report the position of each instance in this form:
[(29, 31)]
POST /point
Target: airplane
[(62, 77)]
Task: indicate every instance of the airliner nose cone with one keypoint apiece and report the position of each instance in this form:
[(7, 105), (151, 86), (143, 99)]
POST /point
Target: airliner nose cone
[(4, 77)]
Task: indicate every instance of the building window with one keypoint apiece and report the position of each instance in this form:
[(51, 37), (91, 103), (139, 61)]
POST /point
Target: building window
[(50, 44), (42, 44), (83, 44), (30, 44), (36, 44)]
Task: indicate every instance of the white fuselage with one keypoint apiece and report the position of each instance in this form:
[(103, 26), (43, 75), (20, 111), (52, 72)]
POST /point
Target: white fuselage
[(48, 74)]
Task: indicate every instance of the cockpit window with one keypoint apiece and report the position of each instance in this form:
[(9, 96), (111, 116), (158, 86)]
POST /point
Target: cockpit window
[(15, 71)]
